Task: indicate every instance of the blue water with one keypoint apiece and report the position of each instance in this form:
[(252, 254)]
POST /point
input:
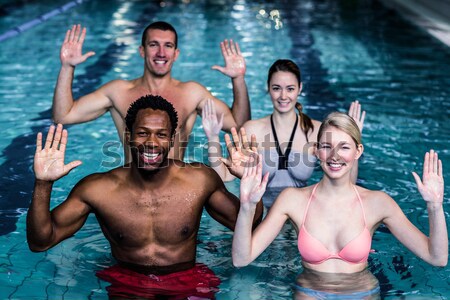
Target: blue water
[(346, 49)]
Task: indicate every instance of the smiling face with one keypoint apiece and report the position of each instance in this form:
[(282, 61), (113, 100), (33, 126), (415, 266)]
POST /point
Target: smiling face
[(150, 139), (337, 152), (159, 51), (284, 89)]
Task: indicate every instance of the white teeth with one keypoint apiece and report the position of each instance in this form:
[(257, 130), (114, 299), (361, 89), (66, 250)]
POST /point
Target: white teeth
[(335, 165), (151, 155), (160, 62)]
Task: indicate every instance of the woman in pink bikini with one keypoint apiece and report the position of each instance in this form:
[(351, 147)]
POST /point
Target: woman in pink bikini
[(335, 219)]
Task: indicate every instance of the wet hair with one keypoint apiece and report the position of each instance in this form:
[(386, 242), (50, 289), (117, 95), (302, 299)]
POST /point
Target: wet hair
[(155, 103), (160, 25), (287, 65), (342, 122)]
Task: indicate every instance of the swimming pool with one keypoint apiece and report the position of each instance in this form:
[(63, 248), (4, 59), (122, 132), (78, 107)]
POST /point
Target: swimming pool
[(346, 49)]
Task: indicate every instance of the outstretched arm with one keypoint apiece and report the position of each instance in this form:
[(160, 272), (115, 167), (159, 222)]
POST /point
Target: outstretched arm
[(359, 116), (431, 187), (235, 69), (42, 231), (223, 206), (65, 109), (434, 248), (253, 186), (212, 126)]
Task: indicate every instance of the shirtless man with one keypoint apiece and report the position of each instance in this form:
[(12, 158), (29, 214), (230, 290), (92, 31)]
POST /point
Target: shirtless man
[(159, 51), (149, 211)]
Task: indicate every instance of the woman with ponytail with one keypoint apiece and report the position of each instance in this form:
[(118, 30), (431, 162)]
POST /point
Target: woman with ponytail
[(286, 138)]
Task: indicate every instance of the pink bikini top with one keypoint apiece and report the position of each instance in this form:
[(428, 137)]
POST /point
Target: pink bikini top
[(314, 252)]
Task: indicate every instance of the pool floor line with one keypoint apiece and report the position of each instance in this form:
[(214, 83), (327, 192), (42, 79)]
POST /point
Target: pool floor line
[(41, 19)]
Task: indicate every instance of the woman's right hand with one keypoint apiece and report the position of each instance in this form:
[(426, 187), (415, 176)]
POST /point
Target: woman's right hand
[(211, 124), (253, 184)]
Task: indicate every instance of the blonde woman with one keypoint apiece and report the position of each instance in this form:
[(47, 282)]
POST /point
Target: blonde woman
[(335, 218)]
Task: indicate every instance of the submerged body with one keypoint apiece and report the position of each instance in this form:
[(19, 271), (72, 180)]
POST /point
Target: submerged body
[(313, 285), (153, 224), (149, 210), (336, 219)]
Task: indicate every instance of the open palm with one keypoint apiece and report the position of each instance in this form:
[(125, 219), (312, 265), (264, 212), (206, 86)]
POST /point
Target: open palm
[(211, 124), (234, 61), (72, 47), (253, 184), (240, 151), (357, 115), (49, 161), (431, 187)]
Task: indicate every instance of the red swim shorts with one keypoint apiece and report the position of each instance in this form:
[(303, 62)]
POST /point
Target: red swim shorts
[(198, 281)]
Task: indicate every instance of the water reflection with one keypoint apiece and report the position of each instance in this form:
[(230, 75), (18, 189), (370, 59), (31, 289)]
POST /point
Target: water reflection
[(311, 284)]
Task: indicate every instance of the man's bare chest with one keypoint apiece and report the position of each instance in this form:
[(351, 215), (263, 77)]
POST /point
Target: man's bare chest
[(163, 220)]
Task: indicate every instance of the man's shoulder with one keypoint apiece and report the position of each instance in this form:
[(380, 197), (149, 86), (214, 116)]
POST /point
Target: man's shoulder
[(196, 171), (191, 86), (118, 86), (192, 93), (189, 83), (121, 92), (102, 179), (188, 166), (121, 83)]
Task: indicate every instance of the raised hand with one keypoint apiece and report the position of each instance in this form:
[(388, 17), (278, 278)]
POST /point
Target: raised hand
[(72, 47), (234, 61), (240, 151), (431, 187), (211, 124), (49, 161), (253, 184), (355, 112)]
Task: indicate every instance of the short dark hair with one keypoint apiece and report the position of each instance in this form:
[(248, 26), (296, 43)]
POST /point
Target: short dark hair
[(160, 25), (155, 103)]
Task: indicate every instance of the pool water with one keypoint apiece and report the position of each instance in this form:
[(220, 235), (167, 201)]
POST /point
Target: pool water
[(347, 50)]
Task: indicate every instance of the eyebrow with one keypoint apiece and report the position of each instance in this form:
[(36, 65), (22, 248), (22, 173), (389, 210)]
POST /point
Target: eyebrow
[(160, 42), (148, 128), (339, 143), (287, 86)]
